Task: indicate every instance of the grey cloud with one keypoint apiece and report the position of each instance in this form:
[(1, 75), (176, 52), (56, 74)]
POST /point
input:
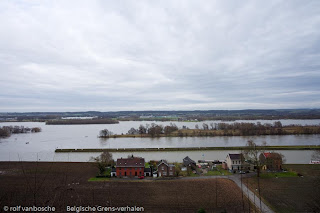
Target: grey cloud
[(97, 55)]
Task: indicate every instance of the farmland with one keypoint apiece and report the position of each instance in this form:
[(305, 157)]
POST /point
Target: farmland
[(291, 193), (66, 184)]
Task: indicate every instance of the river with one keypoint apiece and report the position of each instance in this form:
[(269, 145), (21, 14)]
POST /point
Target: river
[(28, 146)]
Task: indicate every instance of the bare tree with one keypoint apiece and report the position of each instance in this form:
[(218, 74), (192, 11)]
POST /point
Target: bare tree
[(105, 133), (142, 130), (133, 131), (103, 160), (252, 152), (205, 126)]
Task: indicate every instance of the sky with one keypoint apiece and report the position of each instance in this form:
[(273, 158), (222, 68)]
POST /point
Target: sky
[(159, 55)]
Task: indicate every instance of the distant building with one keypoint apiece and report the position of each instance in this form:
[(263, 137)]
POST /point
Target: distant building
[(130, 167), (146, 116), (271, 161), (165, 169)]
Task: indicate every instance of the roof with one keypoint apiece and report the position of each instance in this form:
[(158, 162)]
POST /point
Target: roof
[(272, 155), (130, 162), (187, 161), (235, 156), (166, 163)]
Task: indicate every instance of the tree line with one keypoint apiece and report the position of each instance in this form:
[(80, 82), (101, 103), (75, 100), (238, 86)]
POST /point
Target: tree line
[(6, 131), (216, 129)]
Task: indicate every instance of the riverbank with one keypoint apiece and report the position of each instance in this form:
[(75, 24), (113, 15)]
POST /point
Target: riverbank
[(311, 147)]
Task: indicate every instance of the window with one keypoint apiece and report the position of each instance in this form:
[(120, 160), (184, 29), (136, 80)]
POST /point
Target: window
[(135, 168), (125, 169), (170, 173), (232, 162), (162, 168), (170, 167)]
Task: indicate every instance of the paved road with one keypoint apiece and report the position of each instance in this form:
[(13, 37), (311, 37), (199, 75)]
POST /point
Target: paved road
[(252, 197)]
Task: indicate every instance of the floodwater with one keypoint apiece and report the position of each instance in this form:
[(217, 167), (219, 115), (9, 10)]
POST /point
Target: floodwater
[(41, 146)]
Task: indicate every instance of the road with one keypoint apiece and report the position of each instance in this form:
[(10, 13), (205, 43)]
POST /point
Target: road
[(252, 197)]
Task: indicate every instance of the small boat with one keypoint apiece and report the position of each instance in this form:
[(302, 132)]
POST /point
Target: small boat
[(27, 142)]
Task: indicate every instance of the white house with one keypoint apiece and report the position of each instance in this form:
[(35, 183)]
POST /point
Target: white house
[(234, 161)]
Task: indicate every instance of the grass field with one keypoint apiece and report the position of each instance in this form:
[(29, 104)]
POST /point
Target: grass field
[(218, 171), (288, 192)]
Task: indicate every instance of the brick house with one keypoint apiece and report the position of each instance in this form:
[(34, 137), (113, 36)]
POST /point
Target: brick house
[(165, 169), (271, 161), (130, 167)]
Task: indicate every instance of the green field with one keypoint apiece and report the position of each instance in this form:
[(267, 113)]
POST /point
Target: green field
[(278, 174)]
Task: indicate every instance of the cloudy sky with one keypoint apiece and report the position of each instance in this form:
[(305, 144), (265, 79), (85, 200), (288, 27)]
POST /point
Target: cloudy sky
[(159, 55)]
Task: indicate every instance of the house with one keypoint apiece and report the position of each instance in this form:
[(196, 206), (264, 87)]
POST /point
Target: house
[(188, 162), (113, 172), (147, 172), (155, 174), (130, 167), (271, 161), (224, 165), (234, 161), (165, 169)]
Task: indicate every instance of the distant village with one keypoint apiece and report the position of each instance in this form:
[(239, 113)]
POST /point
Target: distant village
[(137, 167)]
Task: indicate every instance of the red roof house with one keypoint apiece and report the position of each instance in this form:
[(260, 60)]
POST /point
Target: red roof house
[(271, 160)]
